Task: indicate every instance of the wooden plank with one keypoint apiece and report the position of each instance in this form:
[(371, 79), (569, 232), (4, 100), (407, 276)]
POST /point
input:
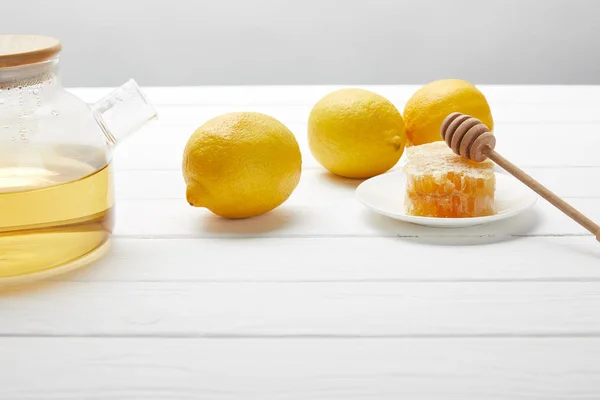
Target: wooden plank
[(394, 309), (323, 216), (416, 369), (143, 184), (307, 95), (343, 260), (174, 218), (325, 205), (160, 145), (514, 113)]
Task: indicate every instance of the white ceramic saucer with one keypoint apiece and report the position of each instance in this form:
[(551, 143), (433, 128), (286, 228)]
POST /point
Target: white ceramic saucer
[(384, 194)]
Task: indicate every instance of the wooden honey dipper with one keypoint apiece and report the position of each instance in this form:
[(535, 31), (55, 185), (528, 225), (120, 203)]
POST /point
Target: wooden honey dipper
[(470, 138)]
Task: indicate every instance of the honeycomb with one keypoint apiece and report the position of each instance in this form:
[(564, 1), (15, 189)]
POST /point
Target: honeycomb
[(442, 184)]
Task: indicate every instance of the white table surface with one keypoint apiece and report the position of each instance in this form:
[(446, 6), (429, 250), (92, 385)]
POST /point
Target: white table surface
[(321, 298)]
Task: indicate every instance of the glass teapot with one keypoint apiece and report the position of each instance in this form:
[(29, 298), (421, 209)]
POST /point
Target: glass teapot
[(56, 189)]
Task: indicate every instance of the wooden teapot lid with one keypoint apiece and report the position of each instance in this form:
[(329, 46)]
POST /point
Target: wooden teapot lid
[(27, 49)]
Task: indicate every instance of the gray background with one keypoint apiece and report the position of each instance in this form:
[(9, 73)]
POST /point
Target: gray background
[(238, 42)]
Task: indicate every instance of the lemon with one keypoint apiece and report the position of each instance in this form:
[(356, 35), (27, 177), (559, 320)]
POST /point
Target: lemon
[(430, 105), (356, 133), (240, 165)]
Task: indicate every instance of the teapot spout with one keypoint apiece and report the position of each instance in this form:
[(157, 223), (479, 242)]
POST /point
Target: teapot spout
[(123, 112)]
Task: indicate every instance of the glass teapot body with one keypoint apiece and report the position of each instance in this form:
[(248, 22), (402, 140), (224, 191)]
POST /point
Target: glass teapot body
[(56, 188), (42, 123)]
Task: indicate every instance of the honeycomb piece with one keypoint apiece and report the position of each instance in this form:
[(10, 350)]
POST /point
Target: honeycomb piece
[(442, 184)]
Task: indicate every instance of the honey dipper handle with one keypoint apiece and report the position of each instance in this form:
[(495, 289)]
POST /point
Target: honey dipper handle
[(544, 192)]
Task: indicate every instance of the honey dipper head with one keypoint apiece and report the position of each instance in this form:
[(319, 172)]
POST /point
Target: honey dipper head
[(467, 136)]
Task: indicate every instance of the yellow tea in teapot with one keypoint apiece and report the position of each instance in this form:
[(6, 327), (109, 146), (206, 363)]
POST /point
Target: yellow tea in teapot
[(56, 193), (53, 215)]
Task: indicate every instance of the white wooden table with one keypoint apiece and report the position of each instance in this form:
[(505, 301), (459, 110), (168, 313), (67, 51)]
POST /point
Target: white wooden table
[(321, 298)]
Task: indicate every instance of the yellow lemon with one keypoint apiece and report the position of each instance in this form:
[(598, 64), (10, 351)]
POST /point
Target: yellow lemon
[(430, 105), (356, 133), (240, 165)]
